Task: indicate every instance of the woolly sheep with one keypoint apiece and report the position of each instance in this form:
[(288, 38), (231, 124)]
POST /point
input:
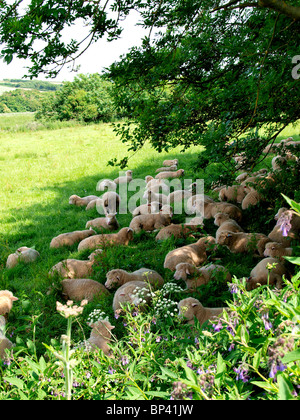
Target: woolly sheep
[(251, 199), (6, 302), (277, 250), (109, 222), (23, 254), (241, 242), (126, 179), (117, 277), (178, 231), (80, 289), (194, 254), (106, 184), (178, 196), (200, 276), (190, 308), (211, 209), (226, 224), (278, 162), (193, 204), (170, 162), (73, 269), (195, 221), (100, 336), (149, 208), (123, 237), (70, 238), (128, 293), (81, 201), (151, 196), (262, 275), (176, 174), (110, 201), (5, 343), (150, 222), (166, 169), (234, 193)]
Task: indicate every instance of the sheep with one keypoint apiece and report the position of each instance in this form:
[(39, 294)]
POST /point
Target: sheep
[(72, 268), (190, 308), (123, 237), (178, 231), (150, 222), (200, 276), (242, 177), (23, 254), (151, 196), (170, 162), (176, 174), (134, 293), (194, 253), (234, 193), (165, 169), (80, 289), (71, 238), (226, 224), (109, 222), (149, 208), (211, 209), (5, 343), (126, 179), (110, 201), (262, 274), (193, 204), (277, 250), (241, 242), (6, 302), (195, 221), (276, 236), (251, 199), (117, 277), (278, 162), (81, 201), (106, 184), (178, 196), (100, 336)]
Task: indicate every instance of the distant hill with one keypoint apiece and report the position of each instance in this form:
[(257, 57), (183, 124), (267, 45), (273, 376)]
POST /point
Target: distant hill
[(40, 85)]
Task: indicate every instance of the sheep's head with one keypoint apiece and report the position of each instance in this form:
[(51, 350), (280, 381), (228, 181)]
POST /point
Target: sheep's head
[(220, 218), (188, 308), (73, 199), (225, 238), (111, 218), (113, 279), (180, 172), (183, 270), (8, 294), (102, 328), (272, 249)]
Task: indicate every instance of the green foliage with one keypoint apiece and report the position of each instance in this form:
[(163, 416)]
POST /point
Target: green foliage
[(20, 100), (40, 85), (86, 99)]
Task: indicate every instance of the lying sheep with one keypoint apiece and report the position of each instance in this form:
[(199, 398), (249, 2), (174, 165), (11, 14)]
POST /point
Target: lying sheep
[(136, 293), (241, 242), (117, 277), (177, 231), (211, 209), (251, 199), (167, 168), (176, 174), (150, 222), (190, 308), (100, 336), (109, 201), (23, 254), (200, 276), (123, 237), (226, 224), (81, 201), (5, 343), (80, 289), (126, 179), (151, 196), (178, 196), (193, 204), (261, 275), (149, 208), (278, 162), (109, 222), (106, 184), (70, 238), (277, 250), (6, 302), (73, 269), (235, 193), (195, 254), (170, 162)]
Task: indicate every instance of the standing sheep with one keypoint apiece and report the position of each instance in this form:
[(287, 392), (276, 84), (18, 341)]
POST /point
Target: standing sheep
[(135, 293), (191, 308), (117, 277), (123, 237), (261, 275), (80, 289), (71, 238), (23, 254)]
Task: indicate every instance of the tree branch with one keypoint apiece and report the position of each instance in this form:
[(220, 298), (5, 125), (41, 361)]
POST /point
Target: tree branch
[(281, 7)]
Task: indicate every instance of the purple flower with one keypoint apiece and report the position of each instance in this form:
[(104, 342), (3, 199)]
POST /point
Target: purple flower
[(242, 373), (268, 325), (124, 360), (233, 288), (218, 327), (158, 339), (285, 223), (276, 368), (111, 371)]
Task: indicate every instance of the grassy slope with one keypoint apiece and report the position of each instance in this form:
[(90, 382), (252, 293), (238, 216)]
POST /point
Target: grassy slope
[(39, 170)]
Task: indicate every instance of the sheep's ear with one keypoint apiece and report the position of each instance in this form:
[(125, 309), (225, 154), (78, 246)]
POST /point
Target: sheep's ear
[(14, 299), (194, 305), (129, 230), (111, 327), (187, 271), (118, 277)]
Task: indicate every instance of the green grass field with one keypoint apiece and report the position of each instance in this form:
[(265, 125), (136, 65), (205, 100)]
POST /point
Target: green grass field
[(39, 170)]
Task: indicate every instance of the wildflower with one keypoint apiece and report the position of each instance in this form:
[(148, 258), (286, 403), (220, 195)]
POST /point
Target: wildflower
[(158, 339), (180, 392), (218, 327), (280, 367), (124, 360), (285, 223), (268, 325), (242, 373), (111, 371), (69, 309), (233, 288)]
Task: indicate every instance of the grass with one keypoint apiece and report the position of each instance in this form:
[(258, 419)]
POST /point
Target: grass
[(39, 170)]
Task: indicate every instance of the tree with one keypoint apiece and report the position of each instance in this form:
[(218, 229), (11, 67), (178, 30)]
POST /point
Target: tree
[(216, 73)]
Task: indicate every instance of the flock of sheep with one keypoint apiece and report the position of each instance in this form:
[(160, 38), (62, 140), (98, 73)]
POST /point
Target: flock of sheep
[(187, 262)]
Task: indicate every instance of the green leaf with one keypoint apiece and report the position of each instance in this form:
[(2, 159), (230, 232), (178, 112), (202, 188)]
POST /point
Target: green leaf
[(264, 385), (256, 359), (295, 206), (15, 381), (293, 356), (168, 373), (221, 369), (293, 260), (285, 388)]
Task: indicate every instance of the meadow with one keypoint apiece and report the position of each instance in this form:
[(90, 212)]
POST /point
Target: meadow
[(40, 168)]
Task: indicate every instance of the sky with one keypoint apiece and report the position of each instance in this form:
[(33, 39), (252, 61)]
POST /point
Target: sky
[(94, 60)]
